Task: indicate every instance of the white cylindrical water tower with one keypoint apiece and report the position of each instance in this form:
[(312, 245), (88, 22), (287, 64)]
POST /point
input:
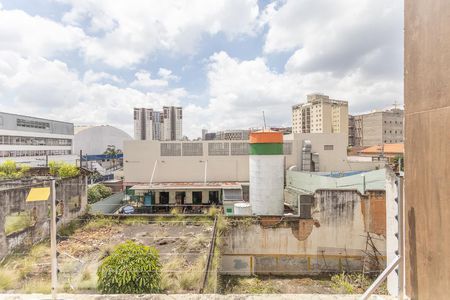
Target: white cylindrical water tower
[(266, 173)]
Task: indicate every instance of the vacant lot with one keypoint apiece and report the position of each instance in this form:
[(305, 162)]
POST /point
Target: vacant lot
[(183, 247)]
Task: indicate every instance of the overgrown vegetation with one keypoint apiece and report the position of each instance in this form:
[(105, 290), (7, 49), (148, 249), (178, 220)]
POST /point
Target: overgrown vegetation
[(63, 170), (10, 170), (131, 268), (17, 222), (98, 192), (355, 283), (249, 285)]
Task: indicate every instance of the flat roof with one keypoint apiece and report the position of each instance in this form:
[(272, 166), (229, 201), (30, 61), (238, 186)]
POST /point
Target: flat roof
[(43, 119), (189, 185)]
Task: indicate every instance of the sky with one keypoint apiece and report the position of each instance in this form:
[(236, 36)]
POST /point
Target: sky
[(225, 61)]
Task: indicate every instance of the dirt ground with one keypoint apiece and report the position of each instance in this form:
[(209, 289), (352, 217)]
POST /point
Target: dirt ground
[(183, 248)]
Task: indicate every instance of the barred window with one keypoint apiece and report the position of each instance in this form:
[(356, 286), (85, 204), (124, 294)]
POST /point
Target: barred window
[(287, 148), (170, 149), (192, 149), (219, 149), (328, 147), (239, 148)]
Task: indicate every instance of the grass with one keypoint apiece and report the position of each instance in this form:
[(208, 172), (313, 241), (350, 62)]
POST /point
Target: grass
[(100, 222), (135, 221), (40, 286), (354, 283), (250, 285), (8, 279), (178, 277), (17, 221)]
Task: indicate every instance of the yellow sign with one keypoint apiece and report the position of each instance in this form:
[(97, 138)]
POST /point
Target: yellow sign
[(39, 194)]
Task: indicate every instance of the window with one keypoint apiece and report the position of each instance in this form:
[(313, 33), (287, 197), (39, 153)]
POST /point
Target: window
[(170, 149), (239, 148), (219, 149), (328, 147), (32, 124), (192, 149)]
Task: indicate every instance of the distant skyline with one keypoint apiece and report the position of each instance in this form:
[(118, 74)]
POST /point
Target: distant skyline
[(93, 61)]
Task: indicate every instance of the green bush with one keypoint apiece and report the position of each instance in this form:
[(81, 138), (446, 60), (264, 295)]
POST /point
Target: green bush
[(98, 192), (130, 269), (63, 170), (10, 170)]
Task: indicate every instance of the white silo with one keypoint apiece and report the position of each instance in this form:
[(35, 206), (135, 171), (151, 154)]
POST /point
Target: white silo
[(266, 173)]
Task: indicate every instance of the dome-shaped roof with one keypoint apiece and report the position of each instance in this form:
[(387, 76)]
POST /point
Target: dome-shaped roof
[(96, 139)]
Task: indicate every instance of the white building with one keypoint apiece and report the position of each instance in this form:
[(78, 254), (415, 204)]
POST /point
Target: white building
[(320, 115), (94, 140), (155, 125), (33, 140)]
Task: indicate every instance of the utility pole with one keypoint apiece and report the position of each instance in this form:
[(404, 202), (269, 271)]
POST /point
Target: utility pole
[(264, 119), (54, 270)]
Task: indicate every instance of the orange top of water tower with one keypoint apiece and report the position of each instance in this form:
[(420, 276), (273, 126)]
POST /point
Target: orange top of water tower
[(266, 137)]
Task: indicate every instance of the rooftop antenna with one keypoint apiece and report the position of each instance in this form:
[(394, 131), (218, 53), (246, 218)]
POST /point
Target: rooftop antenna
[(264, 119), (395, 104)]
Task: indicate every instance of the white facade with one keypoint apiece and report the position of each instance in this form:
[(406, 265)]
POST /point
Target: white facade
[(30, 140), (320, 115)]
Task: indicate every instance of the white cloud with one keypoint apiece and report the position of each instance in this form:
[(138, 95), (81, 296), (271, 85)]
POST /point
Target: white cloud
[(91, 77), (338, 36), (167, 74), (145, 80), (35, 35), (128, 31), (48, 88), (240, 90)]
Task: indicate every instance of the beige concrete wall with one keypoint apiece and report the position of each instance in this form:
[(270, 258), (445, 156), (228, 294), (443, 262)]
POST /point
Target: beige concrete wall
[(427, 148), (333, 240), (140, 157)]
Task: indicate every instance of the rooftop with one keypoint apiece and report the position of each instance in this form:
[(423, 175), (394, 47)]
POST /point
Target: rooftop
[(385, 148)]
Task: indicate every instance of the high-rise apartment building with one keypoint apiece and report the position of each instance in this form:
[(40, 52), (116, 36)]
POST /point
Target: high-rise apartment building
[(376, 128), (320, 115), (156, 125)]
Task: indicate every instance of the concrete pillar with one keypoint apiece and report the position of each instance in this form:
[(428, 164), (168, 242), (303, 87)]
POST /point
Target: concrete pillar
[(188, 199), (205, 197)]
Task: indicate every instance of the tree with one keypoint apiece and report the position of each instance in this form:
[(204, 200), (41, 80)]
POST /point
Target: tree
[(131, 268)]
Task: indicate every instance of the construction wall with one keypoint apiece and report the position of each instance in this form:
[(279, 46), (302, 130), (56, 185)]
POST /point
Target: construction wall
[(427, 148), (332, 240), (73, 194)]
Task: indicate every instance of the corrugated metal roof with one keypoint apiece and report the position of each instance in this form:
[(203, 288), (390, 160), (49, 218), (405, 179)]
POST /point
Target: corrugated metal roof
[(108, 205), (386, 148)]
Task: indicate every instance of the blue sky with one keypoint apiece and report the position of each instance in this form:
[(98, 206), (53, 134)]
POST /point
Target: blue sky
[(224, 61)]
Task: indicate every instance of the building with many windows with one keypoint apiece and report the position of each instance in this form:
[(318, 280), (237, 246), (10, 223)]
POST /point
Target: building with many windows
[(32, 140), (165, 125), (376, 128), (320, 115)]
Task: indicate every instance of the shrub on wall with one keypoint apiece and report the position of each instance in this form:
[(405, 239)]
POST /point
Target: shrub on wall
[(63, 170), (98, 192), (10, 170), (131, 268)]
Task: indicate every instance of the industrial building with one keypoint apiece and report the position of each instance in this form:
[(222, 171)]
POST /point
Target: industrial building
[(165, 125), (320, 115), (185, 172), (376, 128), (94, 140), (34, 141)]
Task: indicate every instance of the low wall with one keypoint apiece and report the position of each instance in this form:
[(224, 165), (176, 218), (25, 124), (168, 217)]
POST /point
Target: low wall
[(343, 233), (72, 193)]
